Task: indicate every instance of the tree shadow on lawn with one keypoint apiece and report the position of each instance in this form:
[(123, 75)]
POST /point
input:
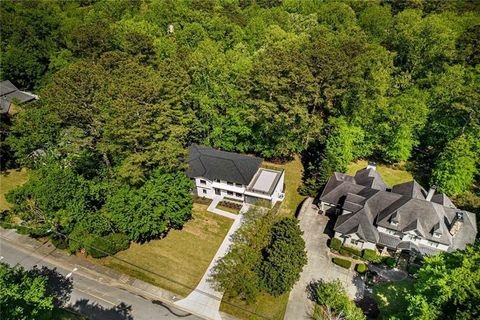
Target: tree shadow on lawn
[(391, 298)]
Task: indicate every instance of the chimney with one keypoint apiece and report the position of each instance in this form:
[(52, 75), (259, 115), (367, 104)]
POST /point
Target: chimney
[(431, 192), (372, 165), (456, 223)]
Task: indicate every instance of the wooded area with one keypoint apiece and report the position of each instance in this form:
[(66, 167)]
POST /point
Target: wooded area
[(126, 86)]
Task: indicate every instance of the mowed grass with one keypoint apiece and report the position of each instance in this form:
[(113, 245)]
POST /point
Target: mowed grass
[(182, 256), (293, 180), (266, 306), (9, 180), (391, 298), (390, 174)]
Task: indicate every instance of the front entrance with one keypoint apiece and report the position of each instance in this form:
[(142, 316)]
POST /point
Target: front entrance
[(217, 191)]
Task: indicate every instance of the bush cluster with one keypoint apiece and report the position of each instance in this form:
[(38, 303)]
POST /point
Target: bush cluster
[(390, 262), (342, 263), (335, 244), (361, 268), (371, 255), (354, 251), (230, 204)]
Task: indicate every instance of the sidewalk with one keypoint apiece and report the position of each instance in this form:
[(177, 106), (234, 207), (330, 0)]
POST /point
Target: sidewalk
[(96, 272)]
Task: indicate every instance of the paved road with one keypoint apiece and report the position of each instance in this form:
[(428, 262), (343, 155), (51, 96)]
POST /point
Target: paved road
[(91, 295), (319, 265)]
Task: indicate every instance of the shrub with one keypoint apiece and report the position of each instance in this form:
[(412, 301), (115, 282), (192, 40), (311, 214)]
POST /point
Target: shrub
[(231, 205), (390, 262), (99, 247), (344, 252), (371, 255), (361, 268), (354, 251), (342, 263), (412, 269), (335, 244)]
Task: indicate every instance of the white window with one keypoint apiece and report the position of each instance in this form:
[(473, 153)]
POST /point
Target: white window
[(230, 193), (238, 185), (230, 183), (238, 194), (203, 182), (204, 191)]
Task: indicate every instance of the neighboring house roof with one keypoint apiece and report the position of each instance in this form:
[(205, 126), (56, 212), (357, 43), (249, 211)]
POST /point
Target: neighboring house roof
[(9, 93), (214, 164), (404, 209)]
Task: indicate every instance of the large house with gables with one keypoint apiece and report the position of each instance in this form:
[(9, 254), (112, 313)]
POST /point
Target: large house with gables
[(371, 215)]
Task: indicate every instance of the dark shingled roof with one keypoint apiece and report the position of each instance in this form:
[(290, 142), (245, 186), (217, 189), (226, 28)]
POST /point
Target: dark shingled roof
[(214, 164), (369, 205), (411, 189), (9, 93)]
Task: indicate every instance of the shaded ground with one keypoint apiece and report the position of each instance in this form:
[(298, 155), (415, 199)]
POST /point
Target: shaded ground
[(183, 255), (391, 175), (391, 298), (9, 179)]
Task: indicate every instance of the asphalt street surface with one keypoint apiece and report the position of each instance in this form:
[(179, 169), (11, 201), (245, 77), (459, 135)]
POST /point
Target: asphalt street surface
[(88, 294)]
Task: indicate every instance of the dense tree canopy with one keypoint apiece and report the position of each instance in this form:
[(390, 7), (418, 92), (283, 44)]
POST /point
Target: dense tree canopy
[(126, 86), (267, 255), (448, 286), (24, 294)]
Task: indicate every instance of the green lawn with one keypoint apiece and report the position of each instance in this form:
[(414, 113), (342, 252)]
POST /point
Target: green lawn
[(391, 298), (183, 255), (266, 306), (10, 179), (293, 180), (390, 174)]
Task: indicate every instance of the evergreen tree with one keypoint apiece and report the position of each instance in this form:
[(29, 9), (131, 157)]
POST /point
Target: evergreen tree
[(283, 258)]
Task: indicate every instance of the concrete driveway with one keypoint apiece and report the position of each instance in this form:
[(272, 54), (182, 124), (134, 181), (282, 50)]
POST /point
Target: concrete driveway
[(319, 265)]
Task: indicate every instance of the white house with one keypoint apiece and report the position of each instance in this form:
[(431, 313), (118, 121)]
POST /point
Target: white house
[(231, 175)]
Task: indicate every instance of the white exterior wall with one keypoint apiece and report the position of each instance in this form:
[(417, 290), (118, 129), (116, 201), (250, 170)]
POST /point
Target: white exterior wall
[(278, 189), (207, 187), (238, 190), (347, 241), (410, 236)]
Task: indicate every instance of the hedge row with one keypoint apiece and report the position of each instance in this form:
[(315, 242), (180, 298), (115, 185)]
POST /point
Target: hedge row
[(231, 205), (342, 263), (354, 251), (371, 255)]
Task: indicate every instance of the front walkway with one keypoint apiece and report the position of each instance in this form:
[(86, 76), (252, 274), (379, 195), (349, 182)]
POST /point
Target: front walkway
[(319, 265), (204, 300)]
